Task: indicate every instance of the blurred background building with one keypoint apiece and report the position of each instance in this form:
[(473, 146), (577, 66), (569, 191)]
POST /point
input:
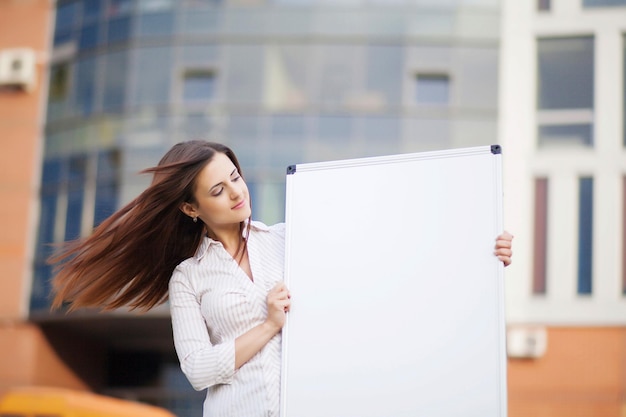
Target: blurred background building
[(96, 90), (562, 94)]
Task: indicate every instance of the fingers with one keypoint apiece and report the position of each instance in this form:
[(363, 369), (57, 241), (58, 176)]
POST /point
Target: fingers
[(504, 240), (504, 244), (506, 260), (280, 297)]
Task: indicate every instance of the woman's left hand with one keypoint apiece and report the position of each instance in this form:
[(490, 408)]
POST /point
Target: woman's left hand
[(503, 251)]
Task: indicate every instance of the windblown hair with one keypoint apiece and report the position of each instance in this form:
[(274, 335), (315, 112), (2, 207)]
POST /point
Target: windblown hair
[(129, 258)]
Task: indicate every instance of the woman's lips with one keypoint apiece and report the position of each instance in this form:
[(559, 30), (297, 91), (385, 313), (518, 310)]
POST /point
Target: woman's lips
[(239, 205)]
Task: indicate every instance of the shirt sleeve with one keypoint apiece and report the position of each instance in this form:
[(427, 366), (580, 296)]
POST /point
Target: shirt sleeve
[(203, 363)]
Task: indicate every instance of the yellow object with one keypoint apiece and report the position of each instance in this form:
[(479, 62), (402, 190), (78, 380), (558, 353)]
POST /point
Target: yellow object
[(59, 402)]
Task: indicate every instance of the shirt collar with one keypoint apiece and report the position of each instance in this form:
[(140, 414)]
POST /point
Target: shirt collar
[(207, 242)]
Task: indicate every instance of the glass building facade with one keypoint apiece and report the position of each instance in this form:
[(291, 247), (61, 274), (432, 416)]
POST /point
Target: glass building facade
[(280, 81)]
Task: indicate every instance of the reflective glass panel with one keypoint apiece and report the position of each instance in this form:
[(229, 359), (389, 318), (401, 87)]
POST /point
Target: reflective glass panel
[(384, 68), (339, 67), (198, 86), (335, 127), (41, 287), (478, 69), (120, 7), (107, 185), (119, 29), (623, 235), (423, 134), (200, 55), (197, 126), (61, 37), (51, 174), (432, 89), (286, 76), (85, 87), (244, 132), (290, 21), (585, 235), (245, 71), (59, 82), (201, 22), (565, 73), (156, 23), (287, 126), (603, 3), (47, 222), (89, 36), (75, 196), (59, 91), (91, 9), (66, 16), (540, 246), (153, 6), (382, 128), (152, 75), (115, 77), (288, 134), (577, 134)]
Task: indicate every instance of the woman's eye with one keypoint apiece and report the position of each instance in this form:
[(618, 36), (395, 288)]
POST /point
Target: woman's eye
[(236, 179), (216, 194)]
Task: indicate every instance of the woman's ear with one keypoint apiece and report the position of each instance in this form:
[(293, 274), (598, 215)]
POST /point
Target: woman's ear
[(188, 209)]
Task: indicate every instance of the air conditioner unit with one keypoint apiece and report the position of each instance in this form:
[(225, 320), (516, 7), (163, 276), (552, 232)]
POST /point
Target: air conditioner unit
[(526, 341), (18, 68)]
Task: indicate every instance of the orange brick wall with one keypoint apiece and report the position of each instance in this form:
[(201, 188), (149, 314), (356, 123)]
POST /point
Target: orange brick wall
[(583, 374), (26, 357), (24, 23)]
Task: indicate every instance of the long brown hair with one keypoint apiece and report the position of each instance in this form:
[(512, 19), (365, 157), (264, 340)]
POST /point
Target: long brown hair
[(129, 258)]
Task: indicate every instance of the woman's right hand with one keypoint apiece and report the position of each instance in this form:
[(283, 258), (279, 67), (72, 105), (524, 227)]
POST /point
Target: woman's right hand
[(251, 342), (278, 304)]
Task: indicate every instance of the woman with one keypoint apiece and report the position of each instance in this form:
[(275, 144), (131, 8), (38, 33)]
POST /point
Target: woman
[(192, 234)]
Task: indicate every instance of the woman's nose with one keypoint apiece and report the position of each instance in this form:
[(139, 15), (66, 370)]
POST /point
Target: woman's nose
[(235, 192)]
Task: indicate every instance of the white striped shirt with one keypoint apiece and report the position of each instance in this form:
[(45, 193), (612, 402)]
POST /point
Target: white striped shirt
[(212, 302)]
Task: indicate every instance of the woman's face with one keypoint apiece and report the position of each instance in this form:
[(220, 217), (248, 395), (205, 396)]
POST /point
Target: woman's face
[(222, 198)]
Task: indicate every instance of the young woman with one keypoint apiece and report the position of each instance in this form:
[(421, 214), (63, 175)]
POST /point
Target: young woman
[(189, 236)]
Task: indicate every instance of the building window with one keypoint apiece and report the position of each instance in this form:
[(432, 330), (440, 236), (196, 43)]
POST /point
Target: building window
[(85, 81), (565, 91), (540, 238), (77, 177), (603, 3), (120, 8), (624, 235), (198, 85), (60, 91), (115, 85), (77, 193), (152, 72), (59, 82), (119, 29), (543, 5), (51, 180), (585, 235), (66, 15), (92, 10), (107, 185), (432, 89)]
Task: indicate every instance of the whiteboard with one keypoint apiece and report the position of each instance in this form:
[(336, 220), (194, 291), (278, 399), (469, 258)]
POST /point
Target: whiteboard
[(397, 298)]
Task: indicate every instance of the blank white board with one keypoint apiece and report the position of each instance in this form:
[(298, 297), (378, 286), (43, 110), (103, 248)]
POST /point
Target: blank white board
[(398, 300)]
